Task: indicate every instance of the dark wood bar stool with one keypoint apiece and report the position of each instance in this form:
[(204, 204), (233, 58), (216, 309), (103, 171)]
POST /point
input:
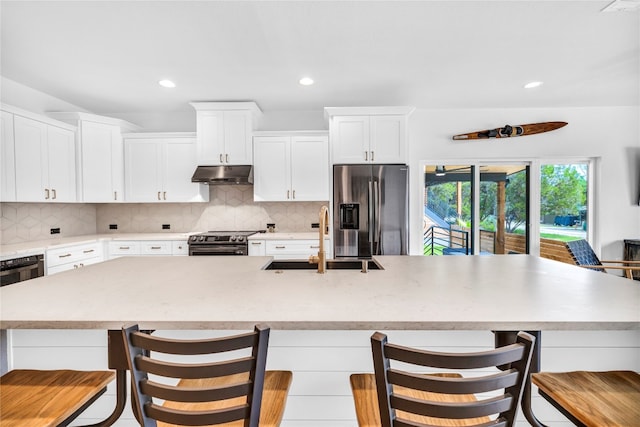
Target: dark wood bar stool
[(233, 388), (395, 397)]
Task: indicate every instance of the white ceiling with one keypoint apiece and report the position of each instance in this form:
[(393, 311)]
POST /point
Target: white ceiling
[(108, 56)]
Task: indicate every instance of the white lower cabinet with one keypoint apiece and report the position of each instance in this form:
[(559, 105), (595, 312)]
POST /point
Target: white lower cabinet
[(120, 248), (257, 248), (292, 249), (72, 257)]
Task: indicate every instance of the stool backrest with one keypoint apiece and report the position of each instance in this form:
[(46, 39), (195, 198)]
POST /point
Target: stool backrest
[(583, 254), (396, 409), (245, 372)]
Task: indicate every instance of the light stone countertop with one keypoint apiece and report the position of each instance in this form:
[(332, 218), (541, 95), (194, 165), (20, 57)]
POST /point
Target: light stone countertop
[(40, 246), (412, 292)]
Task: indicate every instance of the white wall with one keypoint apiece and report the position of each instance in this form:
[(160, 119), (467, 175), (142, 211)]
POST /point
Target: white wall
[(21, 96), (611, 134)]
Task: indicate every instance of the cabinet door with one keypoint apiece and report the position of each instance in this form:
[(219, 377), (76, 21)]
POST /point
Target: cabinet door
[(257, 248), (62, 164), (142, 171), (310, 168), (350, 139), (271, 176), (237, 138), (388, 139), (7, 159), (210, 129), (32, 165), (102, 162), (179, 162)]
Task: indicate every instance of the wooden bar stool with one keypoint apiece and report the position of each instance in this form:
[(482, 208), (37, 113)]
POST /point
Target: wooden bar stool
[(37, 398), (593, 399), (395, 397)]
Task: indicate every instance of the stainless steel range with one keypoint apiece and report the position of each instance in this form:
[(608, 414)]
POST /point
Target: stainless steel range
[(220, 243)]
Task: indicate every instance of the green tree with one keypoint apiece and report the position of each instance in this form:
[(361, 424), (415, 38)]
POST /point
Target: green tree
[(516, 201), (563, 189)]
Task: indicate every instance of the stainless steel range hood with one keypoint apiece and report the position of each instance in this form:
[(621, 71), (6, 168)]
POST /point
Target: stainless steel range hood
[(223, 175)]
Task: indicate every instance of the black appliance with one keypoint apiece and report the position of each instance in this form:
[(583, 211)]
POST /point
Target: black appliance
[(220, 243), (16, 270)]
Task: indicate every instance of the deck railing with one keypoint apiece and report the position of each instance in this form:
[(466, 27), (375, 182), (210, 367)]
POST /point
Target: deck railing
[(445, 241)]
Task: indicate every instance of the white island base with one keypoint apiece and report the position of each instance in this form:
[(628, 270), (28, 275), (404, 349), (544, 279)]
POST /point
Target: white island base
[(322, 361)]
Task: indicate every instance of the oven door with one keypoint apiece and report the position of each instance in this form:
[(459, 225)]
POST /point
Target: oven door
[(218, 250), (32, 267)]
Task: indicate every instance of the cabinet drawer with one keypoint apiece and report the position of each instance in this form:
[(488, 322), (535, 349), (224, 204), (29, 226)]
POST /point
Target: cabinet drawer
[(155, 247), (71, 254), (180, 248), (291, 249), (73, 265), (123, 248)]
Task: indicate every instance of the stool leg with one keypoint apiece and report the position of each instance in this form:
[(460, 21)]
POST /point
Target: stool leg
[(121, 400), (503, 338)]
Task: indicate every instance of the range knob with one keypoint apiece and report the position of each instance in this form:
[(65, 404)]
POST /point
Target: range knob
[(202, 238), (194, 238), (240, 238), (233, 238)]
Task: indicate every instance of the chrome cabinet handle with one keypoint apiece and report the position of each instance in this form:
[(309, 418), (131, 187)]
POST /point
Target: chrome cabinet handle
[(288, 194), (280, 247), (159, 198), (81, 265), (366, 156), (226, 156), (294, 194), (115, 195), (75, 265), (124, 247), (221, 158), (315, 246), (164, 195), (64, 256), (372, 158), (256, 243), (46, 194), (54, 194), (88, 251), (156, 247)]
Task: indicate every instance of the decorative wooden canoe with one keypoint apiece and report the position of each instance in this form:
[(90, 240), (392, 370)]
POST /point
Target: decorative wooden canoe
[(509, 131)]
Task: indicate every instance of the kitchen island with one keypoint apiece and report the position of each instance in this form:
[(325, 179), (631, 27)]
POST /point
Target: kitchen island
[(321, 323)]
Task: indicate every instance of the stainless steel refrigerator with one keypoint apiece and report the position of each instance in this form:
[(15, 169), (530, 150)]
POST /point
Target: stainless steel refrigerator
[(370, 210)]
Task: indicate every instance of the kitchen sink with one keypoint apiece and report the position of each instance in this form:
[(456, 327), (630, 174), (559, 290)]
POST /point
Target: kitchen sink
[(333, 264)]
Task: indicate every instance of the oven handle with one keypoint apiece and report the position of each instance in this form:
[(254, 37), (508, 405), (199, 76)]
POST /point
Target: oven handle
[(230, 250)]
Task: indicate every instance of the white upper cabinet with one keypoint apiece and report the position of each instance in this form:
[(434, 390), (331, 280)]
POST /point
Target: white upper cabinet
[(291, 166), (368, 134), (159, 166), (100, 156), (224, 132), (45, 160), (7, 159)]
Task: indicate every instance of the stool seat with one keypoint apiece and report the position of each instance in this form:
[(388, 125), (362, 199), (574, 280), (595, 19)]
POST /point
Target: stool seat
[(274, 396), (363, 387), (38, 398)]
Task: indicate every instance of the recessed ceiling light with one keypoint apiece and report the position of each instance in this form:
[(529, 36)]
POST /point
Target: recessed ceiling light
[(167, 83), (531, 85), (306, 81)]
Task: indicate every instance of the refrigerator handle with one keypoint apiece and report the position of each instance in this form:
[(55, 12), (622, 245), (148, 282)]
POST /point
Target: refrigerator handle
[(371, 206), (378, 208)]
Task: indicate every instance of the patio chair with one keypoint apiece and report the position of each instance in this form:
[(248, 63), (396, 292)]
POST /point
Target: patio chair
[(583, 256)]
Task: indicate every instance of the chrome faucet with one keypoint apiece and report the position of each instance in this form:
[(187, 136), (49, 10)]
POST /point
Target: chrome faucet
[(323, 230)]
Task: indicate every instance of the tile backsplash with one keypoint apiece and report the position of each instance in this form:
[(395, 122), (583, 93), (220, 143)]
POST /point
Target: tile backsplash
[(25, 222), (231, 207)]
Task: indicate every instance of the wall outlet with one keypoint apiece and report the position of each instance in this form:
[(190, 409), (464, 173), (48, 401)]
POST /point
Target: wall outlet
[(315, 225), (166, 226), (113, 226), (55, 231)]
